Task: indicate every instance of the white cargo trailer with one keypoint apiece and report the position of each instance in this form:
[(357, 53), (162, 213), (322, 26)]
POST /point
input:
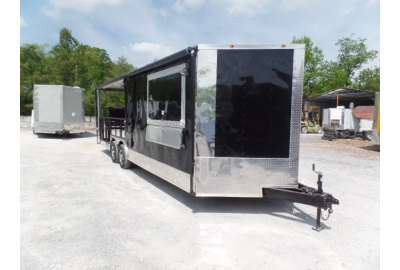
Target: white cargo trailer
[(58, 109)]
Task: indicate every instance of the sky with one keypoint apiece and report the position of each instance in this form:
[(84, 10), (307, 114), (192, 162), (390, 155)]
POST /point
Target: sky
[(143, 31)]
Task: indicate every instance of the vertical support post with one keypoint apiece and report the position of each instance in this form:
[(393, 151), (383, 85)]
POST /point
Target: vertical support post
[(98, 112), (337, 100), (319, 182), (120, 128), (95, 111)]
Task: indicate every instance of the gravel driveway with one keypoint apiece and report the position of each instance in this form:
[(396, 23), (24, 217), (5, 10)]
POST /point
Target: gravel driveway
[(78, 210)]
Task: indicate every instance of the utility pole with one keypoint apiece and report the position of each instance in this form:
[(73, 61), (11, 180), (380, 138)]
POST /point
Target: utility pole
[(76, 73)]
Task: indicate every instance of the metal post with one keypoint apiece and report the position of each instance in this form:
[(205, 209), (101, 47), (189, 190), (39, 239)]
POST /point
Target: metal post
[(318, 224), (319, 183), (101, 122), (97, 120), (120, 128)]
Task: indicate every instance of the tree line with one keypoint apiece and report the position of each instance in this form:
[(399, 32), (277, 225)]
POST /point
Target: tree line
[(69, 63), (347, 71), (74, 64)]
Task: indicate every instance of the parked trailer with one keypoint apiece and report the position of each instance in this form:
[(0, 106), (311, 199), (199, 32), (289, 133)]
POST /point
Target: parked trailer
[(216, 121), (58, 109), (347, 123)]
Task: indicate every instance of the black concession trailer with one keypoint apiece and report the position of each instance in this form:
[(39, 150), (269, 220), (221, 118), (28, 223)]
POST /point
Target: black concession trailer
[(215, 121)]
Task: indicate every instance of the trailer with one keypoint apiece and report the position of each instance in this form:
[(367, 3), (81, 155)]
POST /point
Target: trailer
[(58, 109), (216, 121), (348, 123)]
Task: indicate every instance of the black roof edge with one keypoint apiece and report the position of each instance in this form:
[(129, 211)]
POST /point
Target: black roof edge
[(156, 64)]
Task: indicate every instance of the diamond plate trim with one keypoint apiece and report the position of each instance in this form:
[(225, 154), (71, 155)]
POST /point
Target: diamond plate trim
[(242, 177), (245, 177)]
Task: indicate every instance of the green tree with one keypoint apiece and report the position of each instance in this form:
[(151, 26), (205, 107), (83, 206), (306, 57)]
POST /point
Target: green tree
[(331, 76), (34, 65), (69, 63), (64, 58), (121, 67), (25, 101), (353, 54), (94, 68), (34, 69), (369, 79), (313, 61)]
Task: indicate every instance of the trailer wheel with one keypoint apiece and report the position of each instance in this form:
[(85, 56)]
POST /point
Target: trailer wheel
[(304, 130), (114, 152), (123, 161)]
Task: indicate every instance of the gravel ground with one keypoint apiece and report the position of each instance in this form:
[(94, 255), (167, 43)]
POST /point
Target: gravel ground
[(78, 210)]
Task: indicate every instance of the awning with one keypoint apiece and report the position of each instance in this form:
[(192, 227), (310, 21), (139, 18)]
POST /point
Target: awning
[(117, 84)]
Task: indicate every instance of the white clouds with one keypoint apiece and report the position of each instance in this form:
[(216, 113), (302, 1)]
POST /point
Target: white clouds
[(187, 5), (145, 30), (259, 7), (77, 5), (22, 23), (345, 11), (292, 5), (372, 2), (246, 8), (52, 13), (162, 12), (145, 53)]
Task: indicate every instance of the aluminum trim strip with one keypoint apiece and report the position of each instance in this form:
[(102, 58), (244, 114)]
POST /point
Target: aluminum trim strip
[(250, 46)]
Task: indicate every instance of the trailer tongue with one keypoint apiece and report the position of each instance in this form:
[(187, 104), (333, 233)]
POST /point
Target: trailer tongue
[(216, 121), (306, 195)]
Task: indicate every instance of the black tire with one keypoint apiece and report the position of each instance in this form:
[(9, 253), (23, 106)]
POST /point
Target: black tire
[(304, 130), (114, 153), (336, 134), (368, 135), (123, 161), (329, 138)]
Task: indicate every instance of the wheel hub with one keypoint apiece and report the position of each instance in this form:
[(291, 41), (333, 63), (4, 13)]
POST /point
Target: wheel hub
[(113, 152), (121, 157)]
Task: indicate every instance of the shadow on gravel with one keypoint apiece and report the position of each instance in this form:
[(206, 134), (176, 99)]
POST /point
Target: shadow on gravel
[(66, 137), (272, 207), (373, 148)]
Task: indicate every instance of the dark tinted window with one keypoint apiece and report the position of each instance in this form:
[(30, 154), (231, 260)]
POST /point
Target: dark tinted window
[(165, 98), (253, 108)]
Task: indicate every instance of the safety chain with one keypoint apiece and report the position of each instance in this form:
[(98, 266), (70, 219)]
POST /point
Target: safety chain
[(330, 211)]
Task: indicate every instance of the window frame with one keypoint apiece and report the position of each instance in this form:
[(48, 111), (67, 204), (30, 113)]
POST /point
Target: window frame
[(163, 73)]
